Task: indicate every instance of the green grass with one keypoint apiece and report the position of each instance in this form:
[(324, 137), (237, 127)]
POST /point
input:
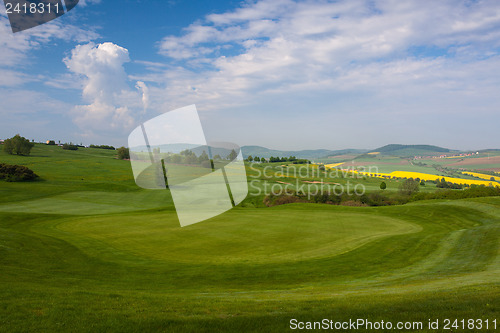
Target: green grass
[(99, 254)]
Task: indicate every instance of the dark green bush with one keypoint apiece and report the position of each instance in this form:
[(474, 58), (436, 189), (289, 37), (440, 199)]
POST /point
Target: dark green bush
[(16, 173), (102, 147), (69, 147), (375, 199), (123, 153), (472, 192)]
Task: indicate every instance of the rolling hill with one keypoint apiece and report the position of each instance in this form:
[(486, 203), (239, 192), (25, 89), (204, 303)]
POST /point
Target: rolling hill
[(85, 250), (411, 150), (308, 154)]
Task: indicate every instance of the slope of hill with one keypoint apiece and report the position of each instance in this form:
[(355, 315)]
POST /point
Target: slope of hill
[(86, 250), (411, 150)]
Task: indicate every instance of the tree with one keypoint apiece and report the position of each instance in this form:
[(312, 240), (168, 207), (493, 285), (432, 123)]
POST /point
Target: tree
[(409, 186), (51, 143), (191, 159), (232, 155), (250, 158), (186, 152), (18, 145), (256, 159), (123, 153), (422, 183), (176, 159), (442, 183), (203, 158), (383, 186), (100, 146), (8, 146)]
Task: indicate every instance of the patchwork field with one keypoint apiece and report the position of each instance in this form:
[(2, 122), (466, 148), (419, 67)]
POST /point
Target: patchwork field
[(477, 161), (467, 170), (85, 250)]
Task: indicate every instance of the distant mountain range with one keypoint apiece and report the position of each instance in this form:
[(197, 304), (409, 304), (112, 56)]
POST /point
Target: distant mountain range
[(389, 150), (311, 154), (308, 154)]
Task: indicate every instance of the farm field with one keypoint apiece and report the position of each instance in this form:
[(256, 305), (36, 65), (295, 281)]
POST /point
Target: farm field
[(84, 249), (459, 170)]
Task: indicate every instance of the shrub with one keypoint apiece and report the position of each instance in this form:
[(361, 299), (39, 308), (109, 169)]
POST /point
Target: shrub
[(282, 199), (444, 184), (102, 147), (409, 186), (334, 199), (123, 153), (16, 173), (321, 198), (472, 192), (69, 146), (375, 199)]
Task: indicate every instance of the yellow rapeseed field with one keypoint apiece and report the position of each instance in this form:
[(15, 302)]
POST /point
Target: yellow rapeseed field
[(427, 177), (481, 175), (333, 165)]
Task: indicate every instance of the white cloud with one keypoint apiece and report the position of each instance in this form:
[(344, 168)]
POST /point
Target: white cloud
[(102, 65), (141, 86), (381, 57), (9, 78), (27, 102), (16, 48), (112, 102), (273, 46)]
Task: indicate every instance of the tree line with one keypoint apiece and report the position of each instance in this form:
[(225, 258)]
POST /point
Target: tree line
[(273, 159)]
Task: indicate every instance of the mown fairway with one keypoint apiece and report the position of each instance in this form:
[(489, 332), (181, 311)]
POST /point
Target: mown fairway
[(85, 250)]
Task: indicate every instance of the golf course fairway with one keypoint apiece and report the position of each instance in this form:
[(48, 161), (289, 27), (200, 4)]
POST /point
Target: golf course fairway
[(100, 254)]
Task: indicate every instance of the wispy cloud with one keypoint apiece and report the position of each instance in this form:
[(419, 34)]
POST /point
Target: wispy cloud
[(429, 54), (17, 48), (283, 41), (24, 108)]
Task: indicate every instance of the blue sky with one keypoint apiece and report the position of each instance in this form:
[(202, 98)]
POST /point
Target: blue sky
[(278, 73)]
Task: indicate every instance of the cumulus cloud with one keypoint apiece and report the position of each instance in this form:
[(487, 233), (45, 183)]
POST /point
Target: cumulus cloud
[(104, 86)]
